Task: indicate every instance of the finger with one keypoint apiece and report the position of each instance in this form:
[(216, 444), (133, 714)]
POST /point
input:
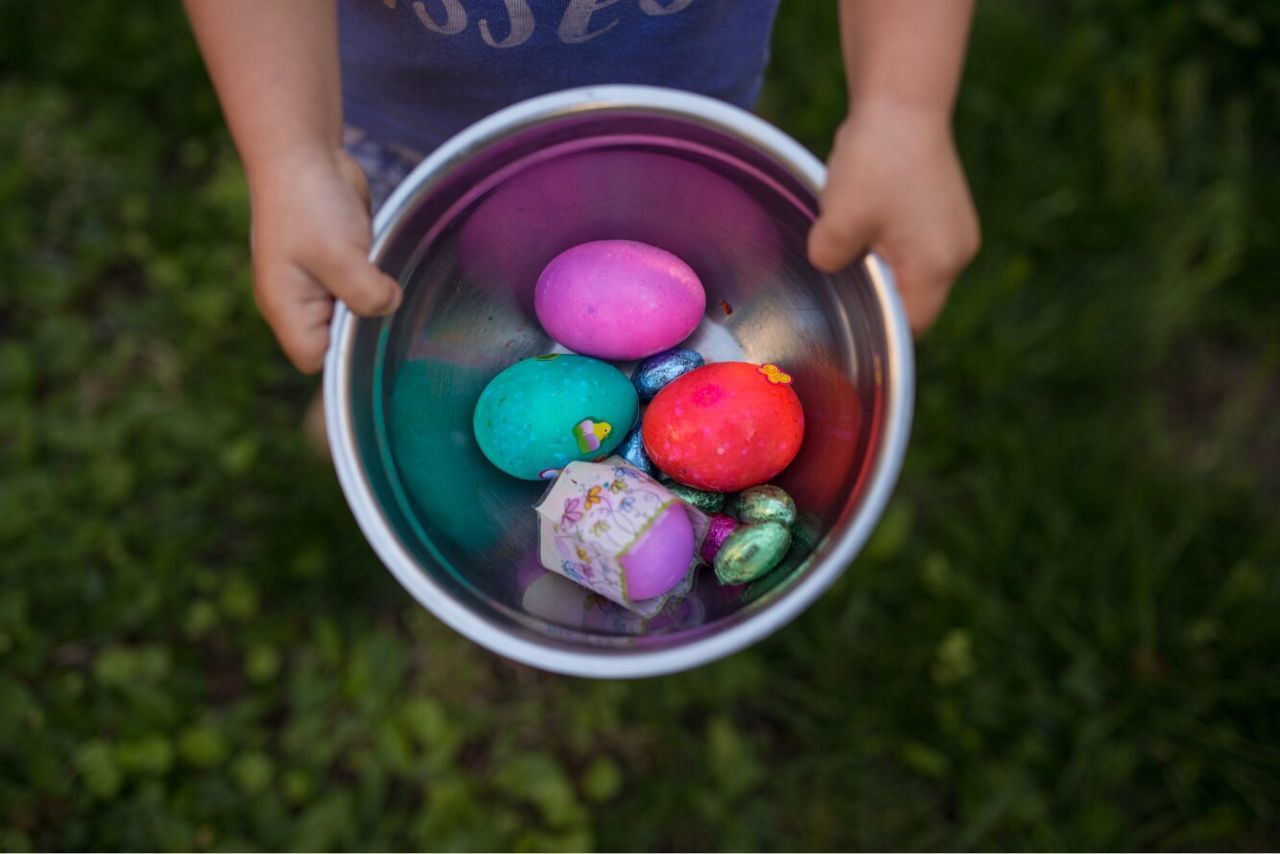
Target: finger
[(298, 309), (346, 272), (838, 237), (923, 295), (926, 304), (927, 274)]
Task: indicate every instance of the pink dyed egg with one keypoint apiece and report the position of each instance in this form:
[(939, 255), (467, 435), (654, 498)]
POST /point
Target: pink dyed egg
[(662, 556), (618, 299)]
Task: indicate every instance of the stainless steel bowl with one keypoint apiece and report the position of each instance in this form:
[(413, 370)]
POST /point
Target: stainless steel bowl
[(467, 234)]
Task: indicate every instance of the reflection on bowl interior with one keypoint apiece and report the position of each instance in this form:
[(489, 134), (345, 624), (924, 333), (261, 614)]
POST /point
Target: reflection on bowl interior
[(468, 314)]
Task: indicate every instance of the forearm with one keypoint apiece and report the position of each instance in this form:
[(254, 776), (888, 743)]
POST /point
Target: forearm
[(894, 179), (274, 64), (907, 52)]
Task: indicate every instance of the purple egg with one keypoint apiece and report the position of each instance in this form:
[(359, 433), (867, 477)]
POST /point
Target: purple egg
[(618, 299), (719, 527), (657, 563)]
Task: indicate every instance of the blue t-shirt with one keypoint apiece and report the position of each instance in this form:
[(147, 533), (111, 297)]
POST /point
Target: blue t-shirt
[(414, 73)]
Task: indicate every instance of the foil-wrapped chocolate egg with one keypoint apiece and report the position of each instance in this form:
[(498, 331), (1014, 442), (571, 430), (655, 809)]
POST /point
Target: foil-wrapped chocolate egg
[(632, 450), (719, 527), (655, 372), (767, 503), (751, 551), (806, 533), (704, 500)]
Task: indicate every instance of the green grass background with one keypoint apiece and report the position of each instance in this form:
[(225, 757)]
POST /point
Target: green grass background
[(1065, 633)]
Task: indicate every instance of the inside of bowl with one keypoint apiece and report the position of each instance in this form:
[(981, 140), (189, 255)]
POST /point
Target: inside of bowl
[(468, 251)]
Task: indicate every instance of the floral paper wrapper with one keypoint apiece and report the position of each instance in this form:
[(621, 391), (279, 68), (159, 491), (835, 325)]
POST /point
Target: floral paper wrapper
[(594, 514)]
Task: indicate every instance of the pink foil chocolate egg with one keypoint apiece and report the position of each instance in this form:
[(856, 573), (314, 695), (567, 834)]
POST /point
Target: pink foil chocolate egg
[(719, 527), (618, 299)]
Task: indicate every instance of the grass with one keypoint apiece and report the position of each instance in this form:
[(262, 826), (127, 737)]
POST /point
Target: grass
[(1063, 635)]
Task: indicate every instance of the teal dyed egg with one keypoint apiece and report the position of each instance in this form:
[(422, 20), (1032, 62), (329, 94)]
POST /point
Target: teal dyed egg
[(751, 551), (766, 503), (543, 413)]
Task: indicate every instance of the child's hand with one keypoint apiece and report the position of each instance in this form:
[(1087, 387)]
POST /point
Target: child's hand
[(311, 241), (895, 185)]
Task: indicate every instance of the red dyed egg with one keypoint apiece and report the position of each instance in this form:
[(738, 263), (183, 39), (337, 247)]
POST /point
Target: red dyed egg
[(725, 427)]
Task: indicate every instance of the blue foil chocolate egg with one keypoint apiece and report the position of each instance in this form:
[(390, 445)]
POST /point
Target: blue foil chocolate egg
[(656, 371), (632, 450)]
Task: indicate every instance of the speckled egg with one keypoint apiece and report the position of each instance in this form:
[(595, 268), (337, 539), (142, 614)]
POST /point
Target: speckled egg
[(767, 503), (725, 427), (655, 372), (540, 414), (618, 299), (751, 551), (719, 527)]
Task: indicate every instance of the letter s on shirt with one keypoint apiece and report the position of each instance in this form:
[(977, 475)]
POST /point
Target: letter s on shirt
[(521, 18), (455, 17), (575, 24)]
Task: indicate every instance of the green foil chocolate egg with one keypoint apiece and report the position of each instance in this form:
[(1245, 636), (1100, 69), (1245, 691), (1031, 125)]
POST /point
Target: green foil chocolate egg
[(806, 533), (751, 551), (707, 502), (766, 503)]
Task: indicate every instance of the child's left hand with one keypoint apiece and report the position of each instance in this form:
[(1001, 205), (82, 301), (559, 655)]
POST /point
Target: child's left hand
[(895, 185)]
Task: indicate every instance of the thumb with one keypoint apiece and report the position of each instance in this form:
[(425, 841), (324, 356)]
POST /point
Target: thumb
[(839, 236)]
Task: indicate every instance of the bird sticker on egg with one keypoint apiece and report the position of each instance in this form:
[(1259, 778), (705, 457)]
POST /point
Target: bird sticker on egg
[(590, 434)]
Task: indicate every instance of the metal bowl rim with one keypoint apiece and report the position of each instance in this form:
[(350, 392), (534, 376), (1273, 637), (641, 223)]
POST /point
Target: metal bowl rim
[(612, 662)]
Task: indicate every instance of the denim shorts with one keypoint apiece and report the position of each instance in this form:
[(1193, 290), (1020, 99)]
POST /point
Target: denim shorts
[(385, 165)]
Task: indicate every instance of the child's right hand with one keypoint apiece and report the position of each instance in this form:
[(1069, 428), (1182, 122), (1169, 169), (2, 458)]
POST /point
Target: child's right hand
[(311, 236)]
